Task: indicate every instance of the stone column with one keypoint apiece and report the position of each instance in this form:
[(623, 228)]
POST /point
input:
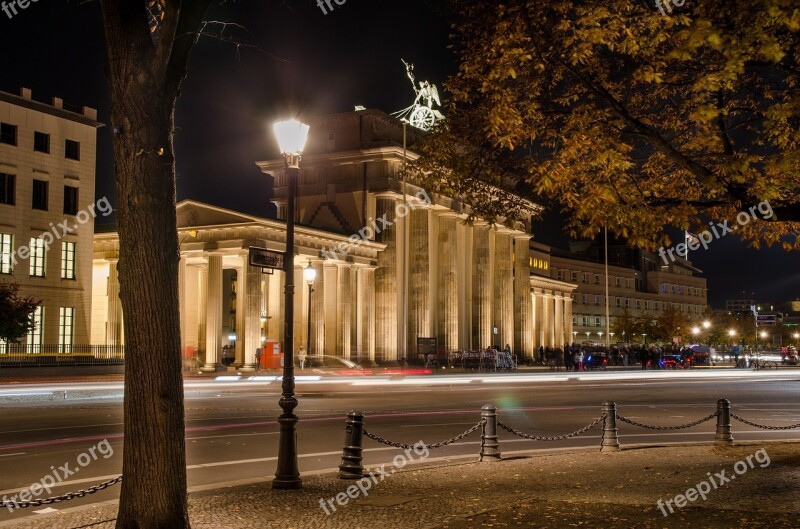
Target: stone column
[(481, 288), (114, 318), (386, 284), (240, 315), (448, 284), (343, 316), (366, 316), (419, 303), (503, 289), (182, 305), (213, 313), (251, 332), (558, 323), (318, 311), (523, 310), (331, 275), (568, 318), (549, 316), (202, 303)]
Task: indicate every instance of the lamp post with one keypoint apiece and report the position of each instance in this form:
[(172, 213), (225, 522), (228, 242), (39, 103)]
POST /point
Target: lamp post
[(291, 137), (309, 274)]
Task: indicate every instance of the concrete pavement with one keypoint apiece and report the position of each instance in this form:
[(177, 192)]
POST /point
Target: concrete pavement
[(747, 485)]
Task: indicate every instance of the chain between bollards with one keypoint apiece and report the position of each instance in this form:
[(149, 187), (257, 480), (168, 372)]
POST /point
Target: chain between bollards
[(352, 466), (610, 442)]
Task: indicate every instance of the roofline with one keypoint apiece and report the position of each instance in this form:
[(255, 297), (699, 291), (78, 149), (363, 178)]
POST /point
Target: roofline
[(49, 109)]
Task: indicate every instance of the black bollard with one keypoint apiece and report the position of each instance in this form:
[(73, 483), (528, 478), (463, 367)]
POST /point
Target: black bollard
[(610, 442), (724, 436), (351, 466), (490, 446)]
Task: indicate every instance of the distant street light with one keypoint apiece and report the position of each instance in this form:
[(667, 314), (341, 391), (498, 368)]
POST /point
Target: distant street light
[(731, 333), (706, 324), (763, 334), (796, 335), (292, 136), (695, 331)]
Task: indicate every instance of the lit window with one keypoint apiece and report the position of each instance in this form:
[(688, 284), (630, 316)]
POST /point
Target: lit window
[(663, 288), (67, 260), (66, 315), (35, 335), (6, 252), (37, 257), (597, 300)]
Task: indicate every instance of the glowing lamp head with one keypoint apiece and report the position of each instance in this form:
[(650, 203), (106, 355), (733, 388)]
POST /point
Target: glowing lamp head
[(291, 135), (309, 273)]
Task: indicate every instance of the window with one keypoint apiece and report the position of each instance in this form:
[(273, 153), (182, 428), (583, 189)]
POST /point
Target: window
[(619, 302), (37, 258), (646, 305), (72, 150), (663, 288), (66, 315), (67, 260), (627, 303), (8, 134), (585, 321), (616, 281), (596, 299), (672, 287), (585, 277), (7, 189), (35, 336), (597, 321), (574, 277), (6, 252), (638, 304), (70, 200), (586, 299), (596, 279), (680, 291), (39, 195), (627, 283), (41, 142), (574, 321)]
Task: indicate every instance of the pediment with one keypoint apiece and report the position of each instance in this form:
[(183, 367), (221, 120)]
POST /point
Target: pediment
[(191, 213)]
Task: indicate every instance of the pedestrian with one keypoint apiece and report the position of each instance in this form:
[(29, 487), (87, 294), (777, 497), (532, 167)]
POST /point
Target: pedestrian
[(625, 356), (568, 359), (542, 358), (645, 358), (301, 356), (258, 359)]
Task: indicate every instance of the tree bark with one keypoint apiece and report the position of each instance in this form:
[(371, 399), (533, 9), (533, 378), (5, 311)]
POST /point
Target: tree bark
[(144, 76)]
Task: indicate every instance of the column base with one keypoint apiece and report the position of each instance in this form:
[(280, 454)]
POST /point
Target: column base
[(212, 368), (248, 368)]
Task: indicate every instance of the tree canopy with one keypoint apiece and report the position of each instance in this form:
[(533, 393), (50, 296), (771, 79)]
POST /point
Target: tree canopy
[(16, 313), (625, 117)]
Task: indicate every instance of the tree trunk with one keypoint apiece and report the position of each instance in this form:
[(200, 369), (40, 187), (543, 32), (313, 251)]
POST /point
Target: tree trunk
[(154, 462)]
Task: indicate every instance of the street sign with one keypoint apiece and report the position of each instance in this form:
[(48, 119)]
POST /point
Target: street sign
[(263, 258), (765, 320)]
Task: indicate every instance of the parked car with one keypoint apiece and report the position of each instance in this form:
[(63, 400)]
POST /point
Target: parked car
[(675, 362)]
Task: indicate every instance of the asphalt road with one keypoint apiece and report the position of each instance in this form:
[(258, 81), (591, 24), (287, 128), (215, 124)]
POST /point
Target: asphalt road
[(232, 430)]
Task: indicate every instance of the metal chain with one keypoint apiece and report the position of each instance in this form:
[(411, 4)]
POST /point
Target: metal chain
[(679, 427), (763, 426), (556, 438), (64, 497), (430, 446)]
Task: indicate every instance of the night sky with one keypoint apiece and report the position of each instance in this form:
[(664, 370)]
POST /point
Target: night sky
[(297, 61)]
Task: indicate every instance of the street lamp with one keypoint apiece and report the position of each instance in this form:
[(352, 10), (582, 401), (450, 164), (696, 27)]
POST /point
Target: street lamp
[(796, 335), (695, 331), (309, 274), (291, 135), (706, 324), (645, 338)]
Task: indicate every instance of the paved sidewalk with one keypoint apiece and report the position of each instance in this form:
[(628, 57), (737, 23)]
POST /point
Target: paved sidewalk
[(555, 489)]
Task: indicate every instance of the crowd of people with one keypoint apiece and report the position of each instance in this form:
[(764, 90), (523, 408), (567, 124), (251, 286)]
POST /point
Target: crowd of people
[(575, 357)]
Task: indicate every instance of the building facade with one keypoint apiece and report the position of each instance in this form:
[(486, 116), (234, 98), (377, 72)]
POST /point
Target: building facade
[(393, 264), (47, 210)]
